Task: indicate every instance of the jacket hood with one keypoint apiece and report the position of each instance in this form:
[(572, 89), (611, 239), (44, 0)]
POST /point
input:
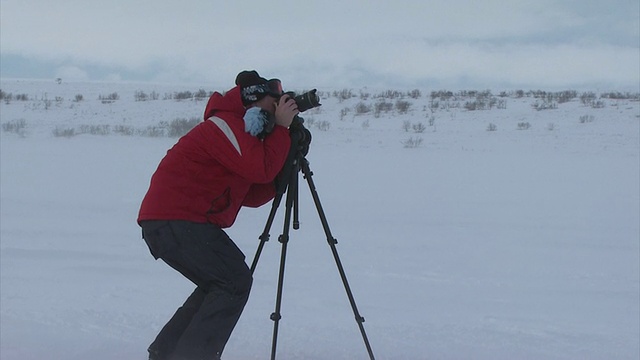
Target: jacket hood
[(231, 101)]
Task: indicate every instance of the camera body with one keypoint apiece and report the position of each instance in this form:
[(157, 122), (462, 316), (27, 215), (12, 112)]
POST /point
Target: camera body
[(304, 102), (300, 135)]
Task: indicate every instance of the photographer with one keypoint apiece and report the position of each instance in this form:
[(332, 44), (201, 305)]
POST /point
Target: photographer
[(228, 161)]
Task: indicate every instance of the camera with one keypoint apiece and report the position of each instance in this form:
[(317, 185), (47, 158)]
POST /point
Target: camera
[(305, 101), (299, 133)]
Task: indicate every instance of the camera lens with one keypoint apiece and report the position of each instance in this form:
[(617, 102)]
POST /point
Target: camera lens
[(307, 100)]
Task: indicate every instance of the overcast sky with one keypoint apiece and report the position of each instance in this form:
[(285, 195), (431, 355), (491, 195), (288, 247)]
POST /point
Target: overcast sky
[(329, 43)]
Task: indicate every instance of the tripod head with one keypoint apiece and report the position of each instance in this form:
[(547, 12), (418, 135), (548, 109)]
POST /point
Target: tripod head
[(300, 136), (300, 141)]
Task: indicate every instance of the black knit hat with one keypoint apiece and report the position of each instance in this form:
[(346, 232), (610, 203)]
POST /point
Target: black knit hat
[(253, 87)]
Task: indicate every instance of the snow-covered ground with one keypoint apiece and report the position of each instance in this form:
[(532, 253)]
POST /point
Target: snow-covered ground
[(519, 243)]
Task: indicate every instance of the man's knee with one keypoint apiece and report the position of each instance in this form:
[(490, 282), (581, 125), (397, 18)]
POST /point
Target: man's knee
[(242, 284)]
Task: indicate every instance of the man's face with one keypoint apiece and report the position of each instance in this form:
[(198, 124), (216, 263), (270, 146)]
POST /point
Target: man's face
[(267, 103)]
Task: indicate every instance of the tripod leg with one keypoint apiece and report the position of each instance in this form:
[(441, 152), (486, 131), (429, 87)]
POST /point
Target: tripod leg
[(284, 239), (286, 180), (265, 233), (332, 243)]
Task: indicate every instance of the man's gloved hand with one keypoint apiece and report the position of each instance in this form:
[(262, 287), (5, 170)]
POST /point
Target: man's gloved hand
[(286, 110)]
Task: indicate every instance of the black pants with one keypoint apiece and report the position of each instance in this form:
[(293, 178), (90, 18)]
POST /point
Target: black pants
[(204, 254)]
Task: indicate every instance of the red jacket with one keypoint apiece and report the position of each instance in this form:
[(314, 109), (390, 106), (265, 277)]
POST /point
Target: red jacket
[(216, 168)]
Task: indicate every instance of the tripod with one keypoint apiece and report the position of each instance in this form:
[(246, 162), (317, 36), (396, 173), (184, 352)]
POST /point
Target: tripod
[(288, 182)]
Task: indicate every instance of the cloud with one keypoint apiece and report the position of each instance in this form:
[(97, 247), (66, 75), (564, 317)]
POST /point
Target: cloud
[(71, 73), (333, 42), (533, 64)]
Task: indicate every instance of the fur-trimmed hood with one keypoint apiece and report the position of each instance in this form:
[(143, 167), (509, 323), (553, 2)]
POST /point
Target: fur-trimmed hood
[(230, 101)]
